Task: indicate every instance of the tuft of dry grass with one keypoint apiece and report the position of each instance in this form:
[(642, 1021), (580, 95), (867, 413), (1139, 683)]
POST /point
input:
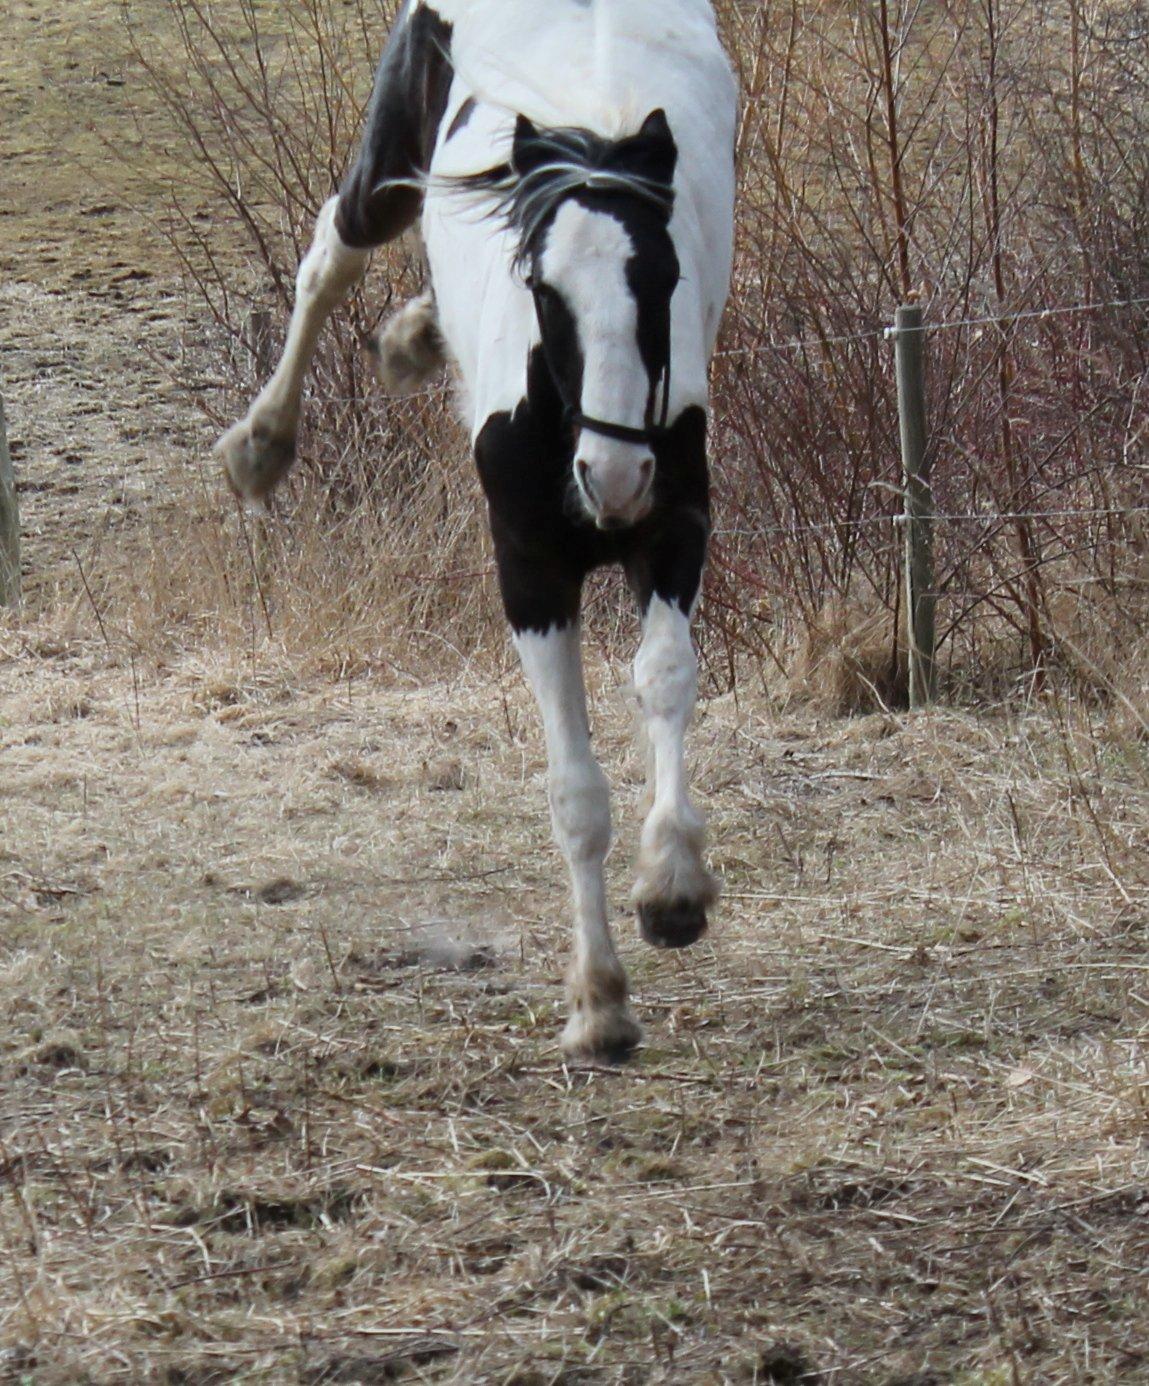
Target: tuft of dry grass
[(846, 662)]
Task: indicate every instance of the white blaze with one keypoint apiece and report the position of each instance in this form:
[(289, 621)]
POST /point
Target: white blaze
[(585, 259)]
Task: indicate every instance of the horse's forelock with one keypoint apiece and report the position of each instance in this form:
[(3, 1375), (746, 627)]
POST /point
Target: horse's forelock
[(559, 163)]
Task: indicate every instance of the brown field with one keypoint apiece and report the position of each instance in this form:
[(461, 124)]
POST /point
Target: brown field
[(282, 936)]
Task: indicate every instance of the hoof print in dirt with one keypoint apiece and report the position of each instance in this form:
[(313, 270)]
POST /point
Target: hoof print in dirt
[(449, 955), (782, 1364), (282, 891), (674, 925)]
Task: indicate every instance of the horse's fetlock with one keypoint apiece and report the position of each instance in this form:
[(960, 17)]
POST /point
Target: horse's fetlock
[(601, 1024), (670, 865)]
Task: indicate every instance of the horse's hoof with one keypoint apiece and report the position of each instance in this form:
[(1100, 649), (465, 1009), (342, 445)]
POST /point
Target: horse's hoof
[(611, 1035), (409, 350), (254, 458), (677, 924)]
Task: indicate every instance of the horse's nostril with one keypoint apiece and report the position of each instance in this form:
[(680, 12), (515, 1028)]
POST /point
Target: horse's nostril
[(647, 470), (583, 470)]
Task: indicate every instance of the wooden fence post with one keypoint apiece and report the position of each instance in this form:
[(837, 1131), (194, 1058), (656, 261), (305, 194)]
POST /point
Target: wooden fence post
[(909, 356), (9, 523)]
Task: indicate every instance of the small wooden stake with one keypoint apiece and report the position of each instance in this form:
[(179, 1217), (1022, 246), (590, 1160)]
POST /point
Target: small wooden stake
[(909, 355), (9, 523)]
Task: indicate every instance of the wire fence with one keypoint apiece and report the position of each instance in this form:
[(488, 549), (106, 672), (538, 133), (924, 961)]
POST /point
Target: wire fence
[(979, 517), (799, 344), (995, 556)]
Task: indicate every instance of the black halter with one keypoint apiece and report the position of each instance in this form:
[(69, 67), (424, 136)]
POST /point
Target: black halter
[(650, 433), (623, 433)]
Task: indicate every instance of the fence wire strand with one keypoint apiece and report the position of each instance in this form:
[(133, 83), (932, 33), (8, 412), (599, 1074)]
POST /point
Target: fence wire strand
[(977, 516), (949, 325)]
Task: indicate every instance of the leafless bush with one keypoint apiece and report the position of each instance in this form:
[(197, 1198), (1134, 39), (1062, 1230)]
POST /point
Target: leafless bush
[(990, 158)]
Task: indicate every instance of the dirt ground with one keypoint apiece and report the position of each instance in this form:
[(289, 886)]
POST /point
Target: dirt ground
[(281, 960)]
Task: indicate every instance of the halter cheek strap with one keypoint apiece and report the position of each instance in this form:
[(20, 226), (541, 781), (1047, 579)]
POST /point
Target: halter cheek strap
[(607, 428)]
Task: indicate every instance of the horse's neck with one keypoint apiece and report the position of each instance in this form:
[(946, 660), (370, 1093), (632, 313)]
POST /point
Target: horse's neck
[(562, 62)]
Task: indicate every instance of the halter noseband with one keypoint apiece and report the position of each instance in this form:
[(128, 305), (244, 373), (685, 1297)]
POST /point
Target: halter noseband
[(650, 432), (622, 433)]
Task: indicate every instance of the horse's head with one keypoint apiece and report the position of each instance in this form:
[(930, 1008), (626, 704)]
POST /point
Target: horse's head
[(597, 255)]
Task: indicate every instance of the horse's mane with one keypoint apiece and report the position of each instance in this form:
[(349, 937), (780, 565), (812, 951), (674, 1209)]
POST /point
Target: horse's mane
[(560, 162)]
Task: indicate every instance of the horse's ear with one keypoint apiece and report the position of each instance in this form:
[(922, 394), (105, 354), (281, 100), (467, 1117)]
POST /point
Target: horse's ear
[(651, 152), (655, 127), (526, 152)]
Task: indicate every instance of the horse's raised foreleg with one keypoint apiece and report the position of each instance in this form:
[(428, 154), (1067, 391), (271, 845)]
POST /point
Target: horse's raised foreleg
[(601, 1023), (258, 450), (674, 888)]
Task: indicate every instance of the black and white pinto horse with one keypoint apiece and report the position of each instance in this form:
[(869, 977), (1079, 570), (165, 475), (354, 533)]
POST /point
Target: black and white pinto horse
[(573, 164)]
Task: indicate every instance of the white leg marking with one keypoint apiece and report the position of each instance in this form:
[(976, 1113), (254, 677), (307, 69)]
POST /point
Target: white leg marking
[(601, 1023), (673, 887), (259, 449)]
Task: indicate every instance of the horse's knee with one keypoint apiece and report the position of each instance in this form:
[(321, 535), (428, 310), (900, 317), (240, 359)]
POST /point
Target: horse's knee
[(666, 667), (580, 810), (332, 267)]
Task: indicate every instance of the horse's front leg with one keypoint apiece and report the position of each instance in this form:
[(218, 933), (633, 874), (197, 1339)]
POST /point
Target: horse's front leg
[(601, 1024), (673, 889)]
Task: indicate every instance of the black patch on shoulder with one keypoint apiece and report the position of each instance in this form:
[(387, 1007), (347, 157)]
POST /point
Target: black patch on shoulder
[(412, 85), (545, 546), (525, 468)]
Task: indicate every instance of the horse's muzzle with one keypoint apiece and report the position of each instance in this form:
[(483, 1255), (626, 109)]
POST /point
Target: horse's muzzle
[(617, 493)]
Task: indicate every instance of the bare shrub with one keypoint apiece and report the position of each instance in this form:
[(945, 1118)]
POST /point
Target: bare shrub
[(376, 547), (989, 158)]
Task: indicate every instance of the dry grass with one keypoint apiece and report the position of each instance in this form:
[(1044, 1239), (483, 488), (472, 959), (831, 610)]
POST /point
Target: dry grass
[(280, 989), (847, 662), (282, 931)]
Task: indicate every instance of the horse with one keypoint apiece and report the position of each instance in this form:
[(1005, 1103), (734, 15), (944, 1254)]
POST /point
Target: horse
[(572, 163)]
